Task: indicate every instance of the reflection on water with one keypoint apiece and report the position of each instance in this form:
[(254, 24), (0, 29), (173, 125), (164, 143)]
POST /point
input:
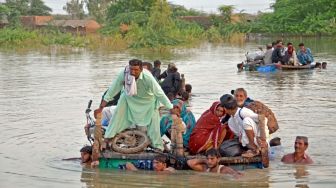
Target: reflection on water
[(43, 98)]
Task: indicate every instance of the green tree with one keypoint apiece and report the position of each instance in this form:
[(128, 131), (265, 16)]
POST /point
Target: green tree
[(98, 8), (128, 6), (38, 8), (160, 18), (75, 8), (226, 12), (19, 6)]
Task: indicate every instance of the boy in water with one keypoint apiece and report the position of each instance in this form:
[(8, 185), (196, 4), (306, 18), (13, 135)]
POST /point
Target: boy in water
[(211, 164)]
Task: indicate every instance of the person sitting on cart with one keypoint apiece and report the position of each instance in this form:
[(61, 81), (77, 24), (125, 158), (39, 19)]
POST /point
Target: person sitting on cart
[(139, 102)]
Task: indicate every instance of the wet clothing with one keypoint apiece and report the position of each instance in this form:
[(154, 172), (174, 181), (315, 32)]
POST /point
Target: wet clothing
[(209, 132), (187, 117), (140, 109), (218, 169), (172, 83), (305, 57)]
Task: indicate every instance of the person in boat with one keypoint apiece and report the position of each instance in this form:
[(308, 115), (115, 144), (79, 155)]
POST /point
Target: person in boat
[(278, 53), (268, 55), (160, 164), (299, 156), (211, 164), (187, 117), (139, 102), (244, 124), (86, 153), (209, 132), (290, 55), (156, 70), (240, 95), (304, 55), (172, 82)]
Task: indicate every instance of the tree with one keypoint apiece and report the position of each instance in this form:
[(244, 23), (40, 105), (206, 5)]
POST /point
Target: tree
[(226, 11), (38, 8), (160, 18), (75, 8), (98, 8), (128, 6), (19, 6)]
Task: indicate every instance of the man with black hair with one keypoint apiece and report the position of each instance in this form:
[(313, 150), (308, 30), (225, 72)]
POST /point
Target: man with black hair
[(278, 53), (160, 163), (86, 153), (211, 164), (139, 102), (304, 55), (244, 124), (156, 70)]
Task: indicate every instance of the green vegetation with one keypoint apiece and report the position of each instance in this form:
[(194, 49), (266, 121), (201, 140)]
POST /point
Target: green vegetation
[(299, 17), (156, 24)]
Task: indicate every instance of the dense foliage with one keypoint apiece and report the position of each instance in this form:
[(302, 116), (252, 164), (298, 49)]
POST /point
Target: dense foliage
[(299, 17)]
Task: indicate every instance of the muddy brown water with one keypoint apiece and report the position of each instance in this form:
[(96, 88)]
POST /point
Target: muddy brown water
[(43, 98)]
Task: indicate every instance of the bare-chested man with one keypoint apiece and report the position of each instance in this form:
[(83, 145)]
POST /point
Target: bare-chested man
[(299, 156), (211, 164)]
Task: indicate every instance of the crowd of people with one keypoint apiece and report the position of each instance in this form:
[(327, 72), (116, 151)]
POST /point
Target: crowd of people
[(277, 52), (140, 93)]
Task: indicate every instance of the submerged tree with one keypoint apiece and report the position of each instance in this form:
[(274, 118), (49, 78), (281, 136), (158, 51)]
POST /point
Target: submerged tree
[(75, 8)]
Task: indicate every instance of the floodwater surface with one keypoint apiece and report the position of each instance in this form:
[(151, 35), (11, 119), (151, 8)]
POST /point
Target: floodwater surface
[(43, 98)]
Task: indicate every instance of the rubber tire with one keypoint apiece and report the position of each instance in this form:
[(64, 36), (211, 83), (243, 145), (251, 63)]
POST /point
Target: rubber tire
[(141, 147)]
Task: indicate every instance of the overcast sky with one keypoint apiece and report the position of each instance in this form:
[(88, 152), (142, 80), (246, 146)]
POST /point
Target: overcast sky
[(210, 6)]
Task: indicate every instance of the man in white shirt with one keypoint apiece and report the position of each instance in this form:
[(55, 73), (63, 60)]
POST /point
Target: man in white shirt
[(248, 126)]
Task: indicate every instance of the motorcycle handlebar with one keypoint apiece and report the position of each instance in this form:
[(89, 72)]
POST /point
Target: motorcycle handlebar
[(89, 104)]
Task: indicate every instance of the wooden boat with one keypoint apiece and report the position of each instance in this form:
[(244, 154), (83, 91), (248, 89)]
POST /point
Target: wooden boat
[(297, 67)]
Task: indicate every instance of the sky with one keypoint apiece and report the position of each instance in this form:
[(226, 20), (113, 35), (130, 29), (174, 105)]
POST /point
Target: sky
[(209, 6)]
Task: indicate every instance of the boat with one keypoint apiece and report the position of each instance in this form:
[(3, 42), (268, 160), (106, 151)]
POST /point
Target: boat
[(297, 67), (256, 66)]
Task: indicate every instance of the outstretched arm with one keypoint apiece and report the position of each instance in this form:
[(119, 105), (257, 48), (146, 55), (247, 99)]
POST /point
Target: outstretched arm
[(197, 164)]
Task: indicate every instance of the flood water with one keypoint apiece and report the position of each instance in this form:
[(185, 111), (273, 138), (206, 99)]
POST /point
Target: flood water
[(43, 98)]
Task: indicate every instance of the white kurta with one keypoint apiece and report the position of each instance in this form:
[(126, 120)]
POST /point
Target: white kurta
[(249, 122)]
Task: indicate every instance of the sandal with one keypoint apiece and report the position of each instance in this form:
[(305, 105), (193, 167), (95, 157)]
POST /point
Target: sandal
[(251, 153)]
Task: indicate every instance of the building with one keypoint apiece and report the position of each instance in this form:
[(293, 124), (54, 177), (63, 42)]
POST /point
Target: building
[(80, 27)]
